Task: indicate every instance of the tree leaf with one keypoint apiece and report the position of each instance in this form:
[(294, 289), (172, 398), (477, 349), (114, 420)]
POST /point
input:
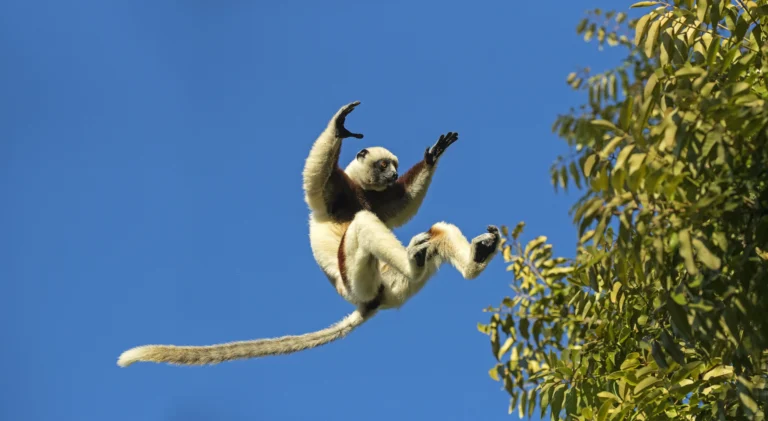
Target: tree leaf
[(645, 383), (686, 251), (701, 10), (504, 348), (719, 371), (608, 395), (679, 318), (605, 124), (705, 256), (748, 402), (640, 27), (623, 155), (652, 38), (494, 373), (557, 401), (589, 164), (644, 4), (602, 414)]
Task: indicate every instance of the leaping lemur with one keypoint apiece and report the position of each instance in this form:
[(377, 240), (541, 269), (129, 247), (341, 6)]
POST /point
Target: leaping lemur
[(352, 214)]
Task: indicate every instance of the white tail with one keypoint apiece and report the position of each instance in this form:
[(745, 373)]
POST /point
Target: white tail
[(214, 354)]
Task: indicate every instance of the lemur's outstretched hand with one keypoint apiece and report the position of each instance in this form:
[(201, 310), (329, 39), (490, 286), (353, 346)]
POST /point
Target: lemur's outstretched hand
[(433, 153), (341, 117)]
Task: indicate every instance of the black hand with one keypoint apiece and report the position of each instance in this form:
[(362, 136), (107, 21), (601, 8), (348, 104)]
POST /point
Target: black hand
[(433, 153), (342, 131)]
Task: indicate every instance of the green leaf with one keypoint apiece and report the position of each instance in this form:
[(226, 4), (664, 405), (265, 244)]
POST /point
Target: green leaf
[(615, 291), (714, 48), (748, 402), (644, 4), (719, 371), (589, 164), (494, 373), (686, 251), (557, 401), (531, 402), (672, 348), (658, 355), (705, 256), (623, 155), (652, 38), (602, 414), (640, 27), (645, 383), (679, 318), (611, 146), (523, 327), (604, 123), (689, 72), (701, 10), (608, 395), (504, 348)]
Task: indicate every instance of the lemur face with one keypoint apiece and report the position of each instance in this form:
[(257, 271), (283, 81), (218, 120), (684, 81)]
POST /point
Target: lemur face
[(373, 168)]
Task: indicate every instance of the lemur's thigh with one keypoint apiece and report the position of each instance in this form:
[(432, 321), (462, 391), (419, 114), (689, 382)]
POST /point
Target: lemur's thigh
[(469, 257), (366, 242)]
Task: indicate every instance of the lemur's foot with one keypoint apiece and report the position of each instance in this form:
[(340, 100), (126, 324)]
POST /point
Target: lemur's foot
[(417, 249), (341, 118), (484, 245)]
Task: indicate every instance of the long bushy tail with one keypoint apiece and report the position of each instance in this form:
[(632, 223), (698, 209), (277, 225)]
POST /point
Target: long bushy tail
[(214, 354)]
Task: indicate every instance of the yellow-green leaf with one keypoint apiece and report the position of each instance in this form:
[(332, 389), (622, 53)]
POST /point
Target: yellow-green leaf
[(721, 370), (645, 383), (642, 23), (623, 155), (604, 123), (504, 348), (748, 402), (608, 395), (609, 148), (701, 10), (589, 164), (615, 291), (602, 414), (761, 253), (644, 4), (652, 38), (712, 51), (689, 72), (705, 256), (494, 373), (686, 252)]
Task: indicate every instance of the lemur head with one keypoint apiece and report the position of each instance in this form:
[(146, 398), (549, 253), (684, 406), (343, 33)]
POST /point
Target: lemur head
[(373, 168)]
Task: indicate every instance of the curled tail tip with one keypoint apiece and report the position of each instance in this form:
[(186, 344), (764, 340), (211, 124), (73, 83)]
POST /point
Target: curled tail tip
[(131, 356)]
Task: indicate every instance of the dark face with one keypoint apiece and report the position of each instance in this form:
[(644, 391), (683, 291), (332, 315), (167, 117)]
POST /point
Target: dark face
[(385, 171)]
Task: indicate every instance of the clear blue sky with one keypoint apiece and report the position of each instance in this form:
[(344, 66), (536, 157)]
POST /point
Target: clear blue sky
[(150, 160)]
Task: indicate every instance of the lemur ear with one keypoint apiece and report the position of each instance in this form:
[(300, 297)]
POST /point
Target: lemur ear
[(362, 154)]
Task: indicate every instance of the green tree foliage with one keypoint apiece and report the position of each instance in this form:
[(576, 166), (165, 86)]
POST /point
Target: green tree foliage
[(663, 312)]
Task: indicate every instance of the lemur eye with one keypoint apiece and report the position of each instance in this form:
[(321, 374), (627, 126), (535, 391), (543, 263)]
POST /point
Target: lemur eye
[(383, 165)]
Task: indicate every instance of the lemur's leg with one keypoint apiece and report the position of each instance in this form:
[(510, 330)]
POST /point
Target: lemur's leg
[(469, 258), (367, 242)]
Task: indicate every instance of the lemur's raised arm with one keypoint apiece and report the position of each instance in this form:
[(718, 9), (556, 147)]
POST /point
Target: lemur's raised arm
[(399, 203), (323, 161)]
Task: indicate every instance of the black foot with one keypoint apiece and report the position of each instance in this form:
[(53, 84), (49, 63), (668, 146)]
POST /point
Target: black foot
[(417, 251), (486, 244)]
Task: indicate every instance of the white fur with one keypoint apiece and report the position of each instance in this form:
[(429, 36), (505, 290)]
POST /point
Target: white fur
[(373, 257)]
